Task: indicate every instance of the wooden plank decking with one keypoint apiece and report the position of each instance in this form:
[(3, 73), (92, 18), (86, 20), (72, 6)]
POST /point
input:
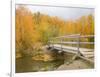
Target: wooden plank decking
[(61, 45), (87, 53)]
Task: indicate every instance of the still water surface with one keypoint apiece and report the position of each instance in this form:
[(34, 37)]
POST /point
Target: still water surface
[(26, 64)]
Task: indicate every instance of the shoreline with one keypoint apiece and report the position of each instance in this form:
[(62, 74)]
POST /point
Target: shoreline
[(76, 65)]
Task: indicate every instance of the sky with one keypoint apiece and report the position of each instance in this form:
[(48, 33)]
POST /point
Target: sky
[(64, 13)]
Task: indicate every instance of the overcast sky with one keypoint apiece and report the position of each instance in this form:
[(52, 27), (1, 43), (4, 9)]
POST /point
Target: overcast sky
[(61, 12)]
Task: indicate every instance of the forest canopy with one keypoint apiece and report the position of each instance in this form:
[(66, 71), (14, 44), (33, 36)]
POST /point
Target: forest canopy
[(35, 29)]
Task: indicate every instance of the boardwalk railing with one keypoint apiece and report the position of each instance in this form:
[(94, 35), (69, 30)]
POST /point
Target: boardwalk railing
[(76, 39)]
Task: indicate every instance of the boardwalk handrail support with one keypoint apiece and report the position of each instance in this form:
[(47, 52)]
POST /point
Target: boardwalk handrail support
[(78, 43), (73, 36)]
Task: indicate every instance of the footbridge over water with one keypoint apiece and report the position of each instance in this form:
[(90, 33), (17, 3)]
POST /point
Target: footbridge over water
[(74, 44)]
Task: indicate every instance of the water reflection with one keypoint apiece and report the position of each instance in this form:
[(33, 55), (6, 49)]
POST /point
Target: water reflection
[(26, 64)]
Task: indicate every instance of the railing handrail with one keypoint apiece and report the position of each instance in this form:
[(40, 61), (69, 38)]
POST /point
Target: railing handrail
[(72, 42), (74, 36), (77, 42)]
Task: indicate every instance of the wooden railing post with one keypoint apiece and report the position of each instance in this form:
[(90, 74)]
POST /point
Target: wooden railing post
[(61, 44), (78, 44)]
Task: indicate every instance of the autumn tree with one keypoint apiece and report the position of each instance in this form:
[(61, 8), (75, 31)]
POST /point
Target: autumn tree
[(34, 30)]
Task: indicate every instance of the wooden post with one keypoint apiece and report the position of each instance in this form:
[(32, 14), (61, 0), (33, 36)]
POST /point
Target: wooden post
[(61, 44), (78, 45)]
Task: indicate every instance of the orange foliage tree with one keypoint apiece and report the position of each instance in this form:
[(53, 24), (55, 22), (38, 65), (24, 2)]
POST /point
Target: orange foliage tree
[(35, 28)]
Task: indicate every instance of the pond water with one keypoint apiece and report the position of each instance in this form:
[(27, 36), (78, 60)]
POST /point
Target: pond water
[(26, 64)]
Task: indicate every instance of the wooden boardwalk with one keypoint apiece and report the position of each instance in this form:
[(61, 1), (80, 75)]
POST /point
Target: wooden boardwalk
[(84, 53)]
